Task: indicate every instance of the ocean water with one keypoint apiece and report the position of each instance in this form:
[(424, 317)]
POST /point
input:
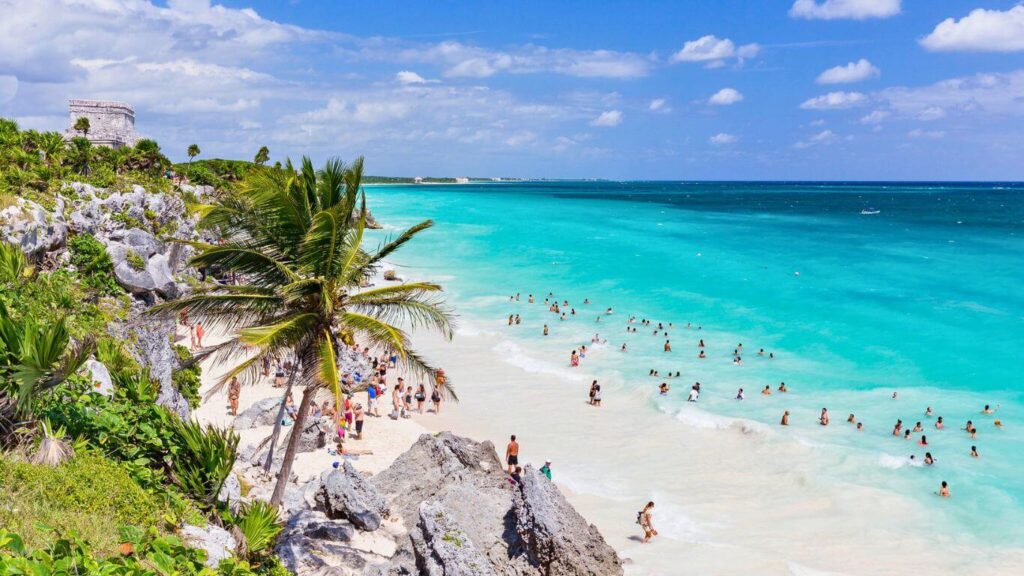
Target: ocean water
[(924, 299)]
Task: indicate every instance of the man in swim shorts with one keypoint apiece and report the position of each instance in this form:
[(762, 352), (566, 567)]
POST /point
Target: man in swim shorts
[(512, 454)]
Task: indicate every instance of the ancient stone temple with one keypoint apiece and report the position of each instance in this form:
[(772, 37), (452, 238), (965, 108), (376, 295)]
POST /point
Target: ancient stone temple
[(110, 123)]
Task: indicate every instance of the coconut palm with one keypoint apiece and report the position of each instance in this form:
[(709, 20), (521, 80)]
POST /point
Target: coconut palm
[(296, 238), (82, 125), (262, 155), (193, 151), (52, 146)]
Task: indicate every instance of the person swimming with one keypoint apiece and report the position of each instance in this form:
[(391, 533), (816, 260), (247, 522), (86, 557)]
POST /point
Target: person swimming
[(851, 419), (663, 389), (739, 395), (944, 490), (785, 418), (860, 427), (694, 394), (896, 429), (928, 412), (701, 355), (918, 428), (782, 387), (823, 419), (974, 452), (906, 434), (923, 441), (767, 391), (988, 410), (928, 460), (938, 424)]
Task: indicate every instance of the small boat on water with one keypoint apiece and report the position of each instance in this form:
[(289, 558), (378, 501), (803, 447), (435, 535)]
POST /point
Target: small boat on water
[(870, 211)]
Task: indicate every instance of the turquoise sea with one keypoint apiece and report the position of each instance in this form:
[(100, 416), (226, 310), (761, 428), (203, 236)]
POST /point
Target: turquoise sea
[(925, 299)]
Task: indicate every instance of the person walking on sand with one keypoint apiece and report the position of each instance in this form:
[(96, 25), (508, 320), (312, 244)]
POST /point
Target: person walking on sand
[(645, 519), (512, 454), (200, 332), (360, 415), (421, 397), (438, 394), (234, 391)]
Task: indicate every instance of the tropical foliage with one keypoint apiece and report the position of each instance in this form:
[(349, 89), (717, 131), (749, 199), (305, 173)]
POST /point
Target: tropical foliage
[(204, 459), (260, 525), (295, 236)]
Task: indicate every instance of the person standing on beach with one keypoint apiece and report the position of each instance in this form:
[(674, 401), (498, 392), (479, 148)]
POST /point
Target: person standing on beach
[(645, 519), (439, 380), (200, 332), (360, 414), (234, 391), (421, 397), (512, 454)]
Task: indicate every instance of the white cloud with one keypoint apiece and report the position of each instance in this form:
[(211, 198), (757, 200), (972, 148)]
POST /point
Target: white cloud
[(932, 134), (714, 51), (980, 31), (999, 94), (852, 72), (821, 138), (818, 122), (722, 139), (834, 101), (468, 61), (725, 97), (659, 105), (837, 9), (875, 117), (608, 119), (408, 77)]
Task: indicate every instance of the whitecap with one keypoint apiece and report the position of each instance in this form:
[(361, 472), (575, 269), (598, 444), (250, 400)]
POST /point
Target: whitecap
[(513, 354)]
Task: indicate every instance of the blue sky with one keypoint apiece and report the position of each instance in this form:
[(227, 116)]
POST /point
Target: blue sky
[(778, 89)]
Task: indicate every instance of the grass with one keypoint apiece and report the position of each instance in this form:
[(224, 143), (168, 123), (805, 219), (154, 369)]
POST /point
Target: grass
[(89, 495)]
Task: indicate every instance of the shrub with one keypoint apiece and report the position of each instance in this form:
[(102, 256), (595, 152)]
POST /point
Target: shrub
[(260, 526), (89, 256), (204, 459), (89, 495), (187, 380), (143, 553), (135, 261)]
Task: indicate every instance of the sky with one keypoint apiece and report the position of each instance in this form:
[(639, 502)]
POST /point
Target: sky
[(659, 90)]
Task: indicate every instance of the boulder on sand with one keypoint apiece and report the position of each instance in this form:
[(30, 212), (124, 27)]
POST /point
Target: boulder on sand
[(262, 413), (344, 493), (443, 548)]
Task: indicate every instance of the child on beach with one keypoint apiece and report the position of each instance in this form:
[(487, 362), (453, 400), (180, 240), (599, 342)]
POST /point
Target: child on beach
[(645, 520)]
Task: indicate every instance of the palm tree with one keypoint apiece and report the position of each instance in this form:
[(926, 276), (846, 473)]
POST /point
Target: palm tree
[(34, 357), (82, 125), (193, 151), (52, 145), (296, 238), (262, 156)]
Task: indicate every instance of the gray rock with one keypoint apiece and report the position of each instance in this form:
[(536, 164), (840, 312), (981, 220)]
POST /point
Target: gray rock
[(262, 413), (556, 537), (153, 350), (32, 227), (443, 548), (99, 376), (231, 491), (311, 544), (344, 493), (218, 543), (143, 243), (132, 280), (160, 272)]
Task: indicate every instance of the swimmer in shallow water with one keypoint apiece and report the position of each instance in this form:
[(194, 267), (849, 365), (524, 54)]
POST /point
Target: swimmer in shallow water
[(918, 428), (739, 395), (923, 441), (782, 387), (928, 412), (988, 410), (938, 424), (944, 490), (701, 355), (767, 391), (896, 429), (928, 460), (785, 418), (860, 427), (851, 419), (974, 452), (663, 389), (823, 419)]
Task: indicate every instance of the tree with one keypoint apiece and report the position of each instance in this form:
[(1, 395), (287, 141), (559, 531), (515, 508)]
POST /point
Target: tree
[(193, 151), (262, 156), (82, 125), (296, 239), (52, 146)]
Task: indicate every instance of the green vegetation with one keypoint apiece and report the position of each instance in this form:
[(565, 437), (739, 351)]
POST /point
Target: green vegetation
[(142, 553), (260, 526), (89, 257), (135, 261), (204, 459), (89, 494), (296, 236), (187, 379), (35, 165)]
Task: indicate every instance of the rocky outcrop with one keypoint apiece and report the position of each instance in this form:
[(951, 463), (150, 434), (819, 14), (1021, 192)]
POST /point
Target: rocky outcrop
[(311, 543), (443, 548), (32, 227), (555, 536), (99, 377), (152, 348), (345, 494), (262, 413), (218, 543)]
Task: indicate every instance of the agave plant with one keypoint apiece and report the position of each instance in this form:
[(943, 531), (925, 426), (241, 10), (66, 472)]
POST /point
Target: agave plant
[(260, 525), (14, 266), (203, 460), (296, 238), (53, 449)]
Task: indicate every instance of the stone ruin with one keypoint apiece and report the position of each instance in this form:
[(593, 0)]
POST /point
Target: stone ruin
[(110, 123)]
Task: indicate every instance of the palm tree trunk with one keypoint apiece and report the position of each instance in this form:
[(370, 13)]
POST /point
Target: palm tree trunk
[(293, 445), (268, 464)]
